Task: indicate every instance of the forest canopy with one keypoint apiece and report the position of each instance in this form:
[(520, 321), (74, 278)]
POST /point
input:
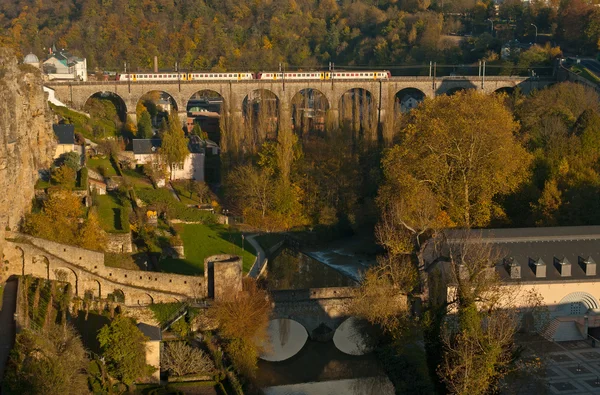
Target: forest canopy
[(254, 35)]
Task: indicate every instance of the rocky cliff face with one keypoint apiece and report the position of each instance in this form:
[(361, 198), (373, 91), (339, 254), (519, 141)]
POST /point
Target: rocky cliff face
[(26, 139)]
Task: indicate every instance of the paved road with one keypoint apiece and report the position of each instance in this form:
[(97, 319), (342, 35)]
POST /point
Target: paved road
[(7, 324), (261, 258)]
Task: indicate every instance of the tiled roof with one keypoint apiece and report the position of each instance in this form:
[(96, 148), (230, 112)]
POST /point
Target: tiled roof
[(553, 246), (153, 332), (146, 146)]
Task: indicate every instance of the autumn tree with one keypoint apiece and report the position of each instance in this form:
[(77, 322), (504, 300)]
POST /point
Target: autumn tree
[(91, 235), (123, 346), (59, 218), (144, 126), (243, 319), (458, 148), (51, 362), (174, 149)]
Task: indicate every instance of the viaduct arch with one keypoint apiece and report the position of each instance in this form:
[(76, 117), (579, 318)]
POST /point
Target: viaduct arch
[(233, 92)]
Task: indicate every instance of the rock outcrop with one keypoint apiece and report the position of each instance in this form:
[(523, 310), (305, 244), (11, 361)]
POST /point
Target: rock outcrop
[(26, 139)]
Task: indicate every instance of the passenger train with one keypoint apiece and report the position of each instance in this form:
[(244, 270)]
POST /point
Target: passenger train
[(266, 75)]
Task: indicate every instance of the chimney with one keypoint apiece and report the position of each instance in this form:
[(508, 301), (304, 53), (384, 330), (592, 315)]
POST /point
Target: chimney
[(513, 267), (156, 64), (589, 265), (564, 267), (539, 268)]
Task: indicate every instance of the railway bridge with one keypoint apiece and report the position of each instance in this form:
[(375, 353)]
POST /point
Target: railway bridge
[(383, 93)]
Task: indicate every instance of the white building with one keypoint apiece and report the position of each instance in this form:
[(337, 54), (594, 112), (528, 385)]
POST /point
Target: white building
[(146, 151), (64, 66)]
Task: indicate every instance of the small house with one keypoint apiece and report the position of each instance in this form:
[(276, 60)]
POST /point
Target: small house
[(154, 337), (98, 186), (65, 136)]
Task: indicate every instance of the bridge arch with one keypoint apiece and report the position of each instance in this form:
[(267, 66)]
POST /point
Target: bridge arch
[(509, 90), (260, 109), (205, 108), (20, 259), (286, 337), (41, 260), (145, 299), (117, 101), (358, 112), (159, 103), (408, 98), (354, 337), (67, 275), (117, 295), (309, 108)]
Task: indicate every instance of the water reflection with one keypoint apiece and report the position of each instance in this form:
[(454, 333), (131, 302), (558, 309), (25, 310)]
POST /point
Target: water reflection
[(294, 270), (286, 338), (351, 337), (317, 362), (380, 385)]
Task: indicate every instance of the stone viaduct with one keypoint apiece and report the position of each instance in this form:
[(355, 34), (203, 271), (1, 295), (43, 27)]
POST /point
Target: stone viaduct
[(383, 92)]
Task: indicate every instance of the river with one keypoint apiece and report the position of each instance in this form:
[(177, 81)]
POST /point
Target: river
[(298, 365)]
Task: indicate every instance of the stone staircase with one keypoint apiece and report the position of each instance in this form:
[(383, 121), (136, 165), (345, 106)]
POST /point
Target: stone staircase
[(560, 330)]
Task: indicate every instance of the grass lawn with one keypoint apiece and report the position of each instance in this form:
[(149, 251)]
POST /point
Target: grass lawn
[(103, 166), (585, 73), (109, 211), (41, 184), (201, 241), (137, 178), (183, 193)]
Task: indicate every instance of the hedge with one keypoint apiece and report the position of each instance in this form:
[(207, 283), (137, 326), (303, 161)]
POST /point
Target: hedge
[(83, 178), (124, 212)]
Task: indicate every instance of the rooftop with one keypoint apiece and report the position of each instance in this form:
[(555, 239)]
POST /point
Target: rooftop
[(555, 247), (65, 133), (146, 146), (153, 332)]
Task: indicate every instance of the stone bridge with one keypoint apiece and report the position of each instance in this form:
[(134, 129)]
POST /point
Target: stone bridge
[(383, 92), (87, 274), (319, 310)]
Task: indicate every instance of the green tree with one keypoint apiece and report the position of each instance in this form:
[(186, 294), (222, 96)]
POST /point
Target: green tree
[(144, 126), (123, 346), (174, 149), (49, 362), (71, 159), (64, 176)]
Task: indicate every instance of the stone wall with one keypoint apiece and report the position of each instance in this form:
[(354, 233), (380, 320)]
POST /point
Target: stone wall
[(119, 242), (86, 271), (26, 139), (319, 310), (224, 273)]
